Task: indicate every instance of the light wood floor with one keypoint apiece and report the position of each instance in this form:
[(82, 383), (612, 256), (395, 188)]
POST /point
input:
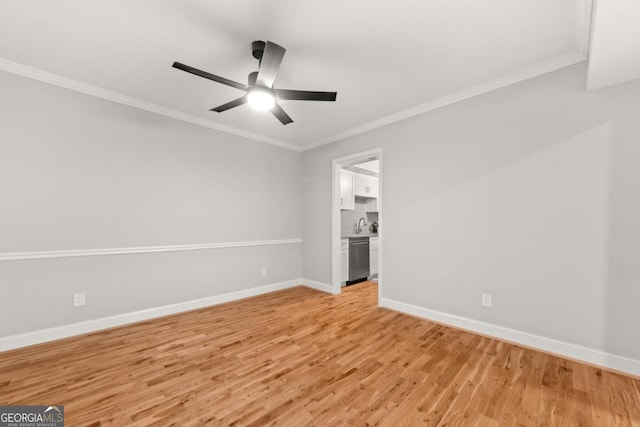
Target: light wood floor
[(300, 357)]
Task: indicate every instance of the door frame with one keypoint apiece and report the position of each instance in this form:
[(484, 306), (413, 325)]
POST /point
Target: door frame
[(336, 166)]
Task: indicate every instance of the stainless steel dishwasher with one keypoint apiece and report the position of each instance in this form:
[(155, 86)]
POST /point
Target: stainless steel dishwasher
[(358, 259)]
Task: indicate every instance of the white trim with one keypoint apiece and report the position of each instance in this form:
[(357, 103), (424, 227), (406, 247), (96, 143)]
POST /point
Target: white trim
[(381, 234), (584, 10), (479, 89), (56, 80), (336, 166), (65, 331), (324, 287), (561, 348), (336, 281), (491, 85), (19, 256)]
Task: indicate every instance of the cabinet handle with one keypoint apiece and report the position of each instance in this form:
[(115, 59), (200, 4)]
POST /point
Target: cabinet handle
[(341, 202), (367, 189)]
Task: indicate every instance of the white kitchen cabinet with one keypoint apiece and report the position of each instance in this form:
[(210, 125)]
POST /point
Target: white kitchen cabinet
[(347, 183), (374, 182), (366, 186), (372, 205), (374, 245), (344, 257)]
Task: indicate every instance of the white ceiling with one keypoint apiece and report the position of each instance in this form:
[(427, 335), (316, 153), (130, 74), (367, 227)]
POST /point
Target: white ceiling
[(387, 60), (615, 43), (372, 165)]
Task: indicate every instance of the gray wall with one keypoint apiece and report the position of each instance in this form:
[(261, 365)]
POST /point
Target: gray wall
[(77, 172), (529, 193)]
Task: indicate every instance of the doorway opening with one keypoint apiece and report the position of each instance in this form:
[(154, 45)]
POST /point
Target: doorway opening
[(356, 219)]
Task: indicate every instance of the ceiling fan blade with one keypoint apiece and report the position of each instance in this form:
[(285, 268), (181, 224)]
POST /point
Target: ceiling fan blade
[(305, 95), (281, 115), (209, 76), (270, 64), (230, 105)]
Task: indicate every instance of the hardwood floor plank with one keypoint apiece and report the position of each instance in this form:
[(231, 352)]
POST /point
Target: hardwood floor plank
[(301, 357)]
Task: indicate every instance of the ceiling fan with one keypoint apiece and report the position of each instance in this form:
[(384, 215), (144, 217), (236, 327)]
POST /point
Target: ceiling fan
[(260, 93)]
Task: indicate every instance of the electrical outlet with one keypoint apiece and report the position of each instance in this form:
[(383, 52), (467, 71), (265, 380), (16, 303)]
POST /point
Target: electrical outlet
[(263, 272), (486, 300), (79, 299)]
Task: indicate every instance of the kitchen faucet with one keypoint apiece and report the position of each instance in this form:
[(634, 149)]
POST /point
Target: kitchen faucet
[(358, 229)]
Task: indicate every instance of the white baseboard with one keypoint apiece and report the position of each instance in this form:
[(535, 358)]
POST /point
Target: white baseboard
[(316, 285), (65, 331), (560, 348)]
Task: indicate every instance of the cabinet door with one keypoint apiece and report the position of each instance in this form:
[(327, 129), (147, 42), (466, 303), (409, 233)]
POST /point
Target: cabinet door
[(372, 205), (344, 271), (373, 255), (374, 182), (346, 190), (362, 187), (366, 186)]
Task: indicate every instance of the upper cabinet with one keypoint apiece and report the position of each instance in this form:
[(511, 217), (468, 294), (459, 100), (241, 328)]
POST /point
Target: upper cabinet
[(366, 186), (356, 184), (347, 184)]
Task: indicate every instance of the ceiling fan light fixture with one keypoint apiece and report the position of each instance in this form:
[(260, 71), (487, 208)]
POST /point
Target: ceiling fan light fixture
[(260, 93), (261, 99)]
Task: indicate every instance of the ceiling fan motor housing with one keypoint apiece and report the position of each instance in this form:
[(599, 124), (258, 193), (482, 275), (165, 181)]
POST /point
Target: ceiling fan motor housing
[(257, 49)]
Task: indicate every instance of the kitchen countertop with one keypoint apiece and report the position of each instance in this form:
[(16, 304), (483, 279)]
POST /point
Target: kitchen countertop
[(349, 236)]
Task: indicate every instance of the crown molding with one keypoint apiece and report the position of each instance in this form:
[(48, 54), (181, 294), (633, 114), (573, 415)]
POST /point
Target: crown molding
[(583, 12), (479, 89), (87, 89), (22, 256)]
